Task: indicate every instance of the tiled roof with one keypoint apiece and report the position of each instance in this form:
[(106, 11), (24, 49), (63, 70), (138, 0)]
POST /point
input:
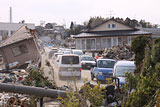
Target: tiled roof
[(112, 33), (21, 34)]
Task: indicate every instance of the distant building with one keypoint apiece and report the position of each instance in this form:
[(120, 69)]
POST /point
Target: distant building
[(7, 29), (155, 31), (106, 35), (20, 48), (52, 30)]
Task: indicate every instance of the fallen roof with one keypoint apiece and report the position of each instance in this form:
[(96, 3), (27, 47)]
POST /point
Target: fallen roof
[(21, 34), (112, 33)]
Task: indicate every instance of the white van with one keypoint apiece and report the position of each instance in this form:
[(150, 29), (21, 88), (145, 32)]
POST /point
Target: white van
[(77, 52), (121, 68), (69, 65)]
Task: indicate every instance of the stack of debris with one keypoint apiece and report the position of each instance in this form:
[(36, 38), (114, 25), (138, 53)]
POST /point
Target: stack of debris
[(120, 52), (13, 100)]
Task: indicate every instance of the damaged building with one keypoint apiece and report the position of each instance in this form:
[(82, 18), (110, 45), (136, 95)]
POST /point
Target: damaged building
[(20, 48)]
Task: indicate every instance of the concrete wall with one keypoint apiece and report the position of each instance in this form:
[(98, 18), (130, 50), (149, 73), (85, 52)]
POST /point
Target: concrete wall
[(32, 53), (104, 27)]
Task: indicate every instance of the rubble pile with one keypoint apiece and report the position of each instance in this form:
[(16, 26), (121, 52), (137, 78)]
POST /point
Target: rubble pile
[(120, 52), (13, 100)]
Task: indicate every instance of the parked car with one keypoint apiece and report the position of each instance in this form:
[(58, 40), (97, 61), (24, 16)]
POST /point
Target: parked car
[(69, 65), (58, 58), (77, 52), (51, 53), (55, 57), (60, 50), (103, 70), (56, 54), (55, 50), (87, 61), (67, 51), (121, 68)]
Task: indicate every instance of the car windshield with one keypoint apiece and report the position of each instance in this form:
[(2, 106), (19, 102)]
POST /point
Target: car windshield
[(122, 70), (87, 58), (106, 64), (67, 52), (70, 60), (78, 52)]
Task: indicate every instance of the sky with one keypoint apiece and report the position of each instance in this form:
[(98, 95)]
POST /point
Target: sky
[(79, 11)]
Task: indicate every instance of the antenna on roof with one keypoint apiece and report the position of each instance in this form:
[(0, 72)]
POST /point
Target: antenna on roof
[(10, 15), (111, 14)]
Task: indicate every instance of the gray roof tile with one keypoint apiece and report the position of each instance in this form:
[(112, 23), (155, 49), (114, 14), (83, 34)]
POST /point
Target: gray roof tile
[(112, 33)]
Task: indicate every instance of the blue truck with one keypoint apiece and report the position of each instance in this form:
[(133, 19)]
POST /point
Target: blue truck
[(103, 71)]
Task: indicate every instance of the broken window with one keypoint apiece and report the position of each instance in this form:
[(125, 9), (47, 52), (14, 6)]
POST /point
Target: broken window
[(21, 49)]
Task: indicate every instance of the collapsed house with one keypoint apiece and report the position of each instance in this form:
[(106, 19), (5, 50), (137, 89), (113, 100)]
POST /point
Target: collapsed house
[(20, 48)]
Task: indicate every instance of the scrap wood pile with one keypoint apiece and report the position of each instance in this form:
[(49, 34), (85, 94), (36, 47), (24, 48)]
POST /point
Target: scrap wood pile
[(120, 52)]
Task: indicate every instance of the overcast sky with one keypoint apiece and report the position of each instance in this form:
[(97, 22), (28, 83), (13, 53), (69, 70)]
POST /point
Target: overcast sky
[(65, 11)]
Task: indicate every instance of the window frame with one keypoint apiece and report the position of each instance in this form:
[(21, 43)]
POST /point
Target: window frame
[(94, 43), (84, 44), (99, 44), (108, 25), (103, 42), (78, 45), (21, 53), (112, 40), (107, 46)]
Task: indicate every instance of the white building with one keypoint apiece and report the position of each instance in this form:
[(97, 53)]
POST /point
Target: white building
[(7, 29)]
